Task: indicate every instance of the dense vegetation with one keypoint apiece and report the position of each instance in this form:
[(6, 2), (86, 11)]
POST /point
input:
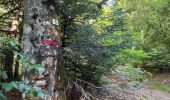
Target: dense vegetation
[(98, 38)]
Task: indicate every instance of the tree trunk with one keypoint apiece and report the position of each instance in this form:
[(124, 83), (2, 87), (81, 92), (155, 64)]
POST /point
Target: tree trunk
[(42, 42)]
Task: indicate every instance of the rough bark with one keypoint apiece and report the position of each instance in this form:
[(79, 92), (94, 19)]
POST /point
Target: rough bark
[(42, 42)]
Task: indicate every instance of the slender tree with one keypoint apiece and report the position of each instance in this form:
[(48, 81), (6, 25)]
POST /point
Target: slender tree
[(42, 43)]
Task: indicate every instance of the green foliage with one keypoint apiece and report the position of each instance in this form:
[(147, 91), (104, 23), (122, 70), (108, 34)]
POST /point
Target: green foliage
[(23, 87), (136, 76), (12, 44), (28, 89), (7, 42), (93, 45), (3, 75), (7, 86), (131, 56), (2, 96), (29, 62), (158, 57), (148, 22)]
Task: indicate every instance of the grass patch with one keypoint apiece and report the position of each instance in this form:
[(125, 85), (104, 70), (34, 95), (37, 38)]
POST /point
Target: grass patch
[(161, 86)]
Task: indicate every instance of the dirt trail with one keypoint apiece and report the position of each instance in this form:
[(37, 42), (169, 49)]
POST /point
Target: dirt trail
[(152, 94), (145, 92)]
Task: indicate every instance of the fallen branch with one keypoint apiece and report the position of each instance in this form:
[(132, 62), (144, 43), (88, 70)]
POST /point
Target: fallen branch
[(85, 95)]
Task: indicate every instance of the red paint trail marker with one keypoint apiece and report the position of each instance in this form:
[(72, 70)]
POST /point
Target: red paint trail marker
[(51, 42)]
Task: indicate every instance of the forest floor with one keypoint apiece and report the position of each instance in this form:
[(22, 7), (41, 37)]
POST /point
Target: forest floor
[(160, 91), (152, 92), (147, 93), (158, 88)]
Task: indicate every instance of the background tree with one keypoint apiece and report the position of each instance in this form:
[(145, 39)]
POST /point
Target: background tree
[(91, 39), (150, 21)]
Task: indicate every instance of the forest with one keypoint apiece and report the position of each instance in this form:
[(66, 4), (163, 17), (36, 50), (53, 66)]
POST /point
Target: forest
[(84, 49)]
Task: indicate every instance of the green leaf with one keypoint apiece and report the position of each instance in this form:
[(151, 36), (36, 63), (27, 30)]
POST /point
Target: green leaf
[(2, 97), (2, 39), (22, 86), (13, 43), (7, 86), (4, 76), (15, 85)]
